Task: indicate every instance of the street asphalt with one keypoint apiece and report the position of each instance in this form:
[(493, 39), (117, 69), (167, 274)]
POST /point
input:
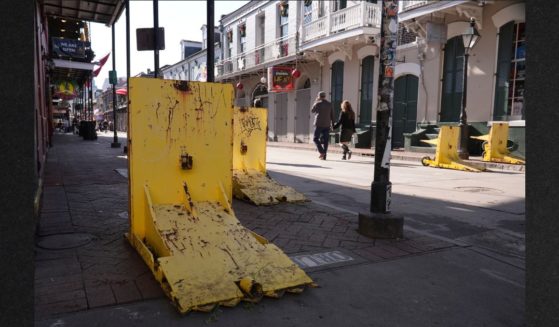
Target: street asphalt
[(461, 262)]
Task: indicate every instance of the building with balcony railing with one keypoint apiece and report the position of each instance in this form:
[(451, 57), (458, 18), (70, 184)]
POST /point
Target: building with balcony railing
[(428, 84), (193, 66), (331, 45)]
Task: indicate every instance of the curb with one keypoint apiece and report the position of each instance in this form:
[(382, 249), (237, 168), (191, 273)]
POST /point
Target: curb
[(398, 155)]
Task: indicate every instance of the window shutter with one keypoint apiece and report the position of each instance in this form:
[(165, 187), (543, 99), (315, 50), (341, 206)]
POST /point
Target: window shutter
[(503, 70)]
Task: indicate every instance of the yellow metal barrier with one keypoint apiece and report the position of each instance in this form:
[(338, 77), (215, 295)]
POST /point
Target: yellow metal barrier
[(446, 155), (250, 181), (181, 222), (495, 145)]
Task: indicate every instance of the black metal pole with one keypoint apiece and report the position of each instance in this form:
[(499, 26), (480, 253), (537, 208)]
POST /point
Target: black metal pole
[(127, 69), (463, 152), (210, 37), (127, 40), (155, 38), (115, 143), (380, 223)]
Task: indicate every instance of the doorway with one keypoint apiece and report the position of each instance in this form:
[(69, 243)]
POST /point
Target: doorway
[(303, 114), (337, 86), (280, 118), (405, 108), (452, 80)]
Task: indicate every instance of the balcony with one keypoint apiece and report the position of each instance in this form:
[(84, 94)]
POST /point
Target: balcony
[(412, 4), (362, 15), (257, 58)]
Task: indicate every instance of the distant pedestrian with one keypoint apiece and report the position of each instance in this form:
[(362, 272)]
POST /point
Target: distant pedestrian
[(323, 123), (347, 121)]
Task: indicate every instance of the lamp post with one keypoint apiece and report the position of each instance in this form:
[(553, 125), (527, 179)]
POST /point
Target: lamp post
[(470, 38)]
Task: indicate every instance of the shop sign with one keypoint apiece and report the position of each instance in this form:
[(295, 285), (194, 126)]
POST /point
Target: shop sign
[(68, 47), (280, 79)]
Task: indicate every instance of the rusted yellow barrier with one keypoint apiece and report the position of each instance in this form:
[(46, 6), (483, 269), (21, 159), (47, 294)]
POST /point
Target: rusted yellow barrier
[(446, 155), (181, 221), (250, 181), (495, 145)]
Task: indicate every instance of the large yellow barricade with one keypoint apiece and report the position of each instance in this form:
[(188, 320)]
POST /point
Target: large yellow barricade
[(250, 181), (181, 221), (446, 155), (495, 145)]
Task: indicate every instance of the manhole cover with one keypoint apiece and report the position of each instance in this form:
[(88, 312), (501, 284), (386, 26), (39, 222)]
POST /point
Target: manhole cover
[(64, 241), (477, 189)]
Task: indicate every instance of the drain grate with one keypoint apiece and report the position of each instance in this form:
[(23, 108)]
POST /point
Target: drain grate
[(64, 241)]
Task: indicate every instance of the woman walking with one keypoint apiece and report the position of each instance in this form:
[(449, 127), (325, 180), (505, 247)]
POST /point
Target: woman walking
[(347, 121)]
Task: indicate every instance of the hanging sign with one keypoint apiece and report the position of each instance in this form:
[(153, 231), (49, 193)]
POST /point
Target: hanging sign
[(68, 47), (280, 79)]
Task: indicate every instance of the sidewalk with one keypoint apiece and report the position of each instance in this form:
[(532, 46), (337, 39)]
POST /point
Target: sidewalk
[(398, 154), (86, 274)]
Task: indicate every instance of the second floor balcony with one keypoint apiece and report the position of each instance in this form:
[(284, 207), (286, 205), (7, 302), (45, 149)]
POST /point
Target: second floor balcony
[(361, 15), (280, 50), (411, 4)]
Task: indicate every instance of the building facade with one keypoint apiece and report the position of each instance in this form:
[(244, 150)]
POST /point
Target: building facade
[(430, 69), (192, 66), (331, 45)]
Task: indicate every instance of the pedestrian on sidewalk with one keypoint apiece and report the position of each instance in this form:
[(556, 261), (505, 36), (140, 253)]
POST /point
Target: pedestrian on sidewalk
[(347, 121), (323, 123)]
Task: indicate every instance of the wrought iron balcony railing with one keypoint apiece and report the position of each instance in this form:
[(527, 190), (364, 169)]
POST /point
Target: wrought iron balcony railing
[(257, 57), (362, 15)]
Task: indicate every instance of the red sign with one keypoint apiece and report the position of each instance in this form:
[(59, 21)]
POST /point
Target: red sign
[(280, 79)]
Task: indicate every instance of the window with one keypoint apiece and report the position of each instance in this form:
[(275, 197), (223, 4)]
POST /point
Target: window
[(340, 4), (283, 26), (307, 12), (511, 71), (242, 38)]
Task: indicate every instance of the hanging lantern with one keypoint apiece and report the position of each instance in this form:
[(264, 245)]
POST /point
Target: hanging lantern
[(240, 86), (296, 73), (263, 80), (284, 6)]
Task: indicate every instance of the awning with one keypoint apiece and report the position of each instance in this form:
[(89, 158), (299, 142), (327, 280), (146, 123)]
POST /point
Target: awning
[(98, 11), (65, 70), (59, 63), (122, 91)]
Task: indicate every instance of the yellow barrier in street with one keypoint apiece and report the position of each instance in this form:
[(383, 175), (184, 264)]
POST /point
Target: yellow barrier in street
[(495, 145), (446, 155), (181, 220), (250, 181)]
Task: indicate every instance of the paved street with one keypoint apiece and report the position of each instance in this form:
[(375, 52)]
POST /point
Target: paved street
[(482, 209), (461, 262)]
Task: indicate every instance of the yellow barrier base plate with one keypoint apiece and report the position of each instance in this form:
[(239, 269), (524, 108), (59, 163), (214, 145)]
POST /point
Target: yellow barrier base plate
[(211, 252), (255, 187)]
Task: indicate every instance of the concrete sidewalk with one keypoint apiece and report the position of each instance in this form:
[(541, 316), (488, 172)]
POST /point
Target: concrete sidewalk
[(397, 154), (87, 275)]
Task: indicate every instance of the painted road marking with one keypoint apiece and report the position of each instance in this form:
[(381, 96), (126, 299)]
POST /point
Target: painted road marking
[(320, 259)]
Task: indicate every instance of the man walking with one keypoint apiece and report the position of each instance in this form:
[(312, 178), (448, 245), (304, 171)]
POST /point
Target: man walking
[(323, 122)]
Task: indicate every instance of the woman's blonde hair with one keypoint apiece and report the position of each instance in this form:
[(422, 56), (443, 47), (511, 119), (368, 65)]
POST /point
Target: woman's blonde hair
[(346, 107)]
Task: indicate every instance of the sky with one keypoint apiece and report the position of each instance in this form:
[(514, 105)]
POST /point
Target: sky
[(181, 19)]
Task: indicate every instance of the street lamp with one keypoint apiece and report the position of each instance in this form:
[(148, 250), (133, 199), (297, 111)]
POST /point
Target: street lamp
[(470, 38)]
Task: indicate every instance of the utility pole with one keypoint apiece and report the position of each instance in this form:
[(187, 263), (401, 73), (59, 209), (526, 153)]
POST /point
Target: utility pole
[(379, 222), (113, 81), (210, 38)]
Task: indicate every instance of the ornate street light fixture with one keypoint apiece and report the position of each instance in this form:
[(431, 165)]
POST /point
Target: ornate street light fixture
[(470, 38)]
